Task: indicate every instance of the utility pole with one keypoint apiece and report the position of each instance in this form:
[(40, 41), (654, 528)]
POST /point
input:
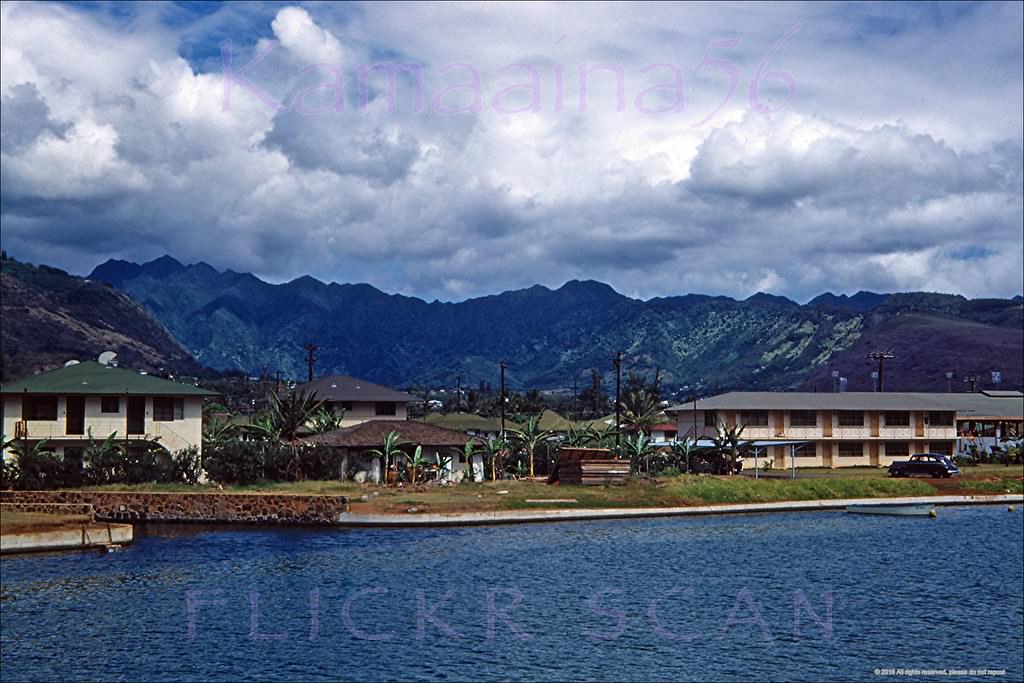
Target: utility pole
[(458, 393), (575, 407), (949, 382), (972, 382), (311, 349), (617, 360), (881, 357), (501, 399)]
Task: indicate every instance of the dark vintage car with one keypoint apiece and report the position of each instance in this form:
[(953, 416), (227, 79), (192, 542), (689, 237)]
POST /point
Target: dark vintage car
[(925, 465)]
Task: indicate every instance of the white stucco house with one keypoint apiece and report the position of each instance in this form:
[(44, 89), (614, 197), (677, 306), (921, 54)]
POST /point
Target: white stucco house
[(64, 406)]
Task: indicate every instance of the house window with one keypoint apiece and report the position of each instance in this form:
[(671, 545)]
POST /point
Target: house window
[(941, 447), (851, 418), (710, 418), (384, 408), (940, 418), (168, 409), (803, 418), (346, 406), (110, 404), (754, 418), (897, 418), (851, 449), (897, 449), (39, 407)]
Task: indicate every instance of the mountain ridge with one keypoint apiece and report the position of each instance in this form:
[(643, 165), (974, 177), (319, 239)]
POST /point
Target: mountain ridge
[(548, 336)]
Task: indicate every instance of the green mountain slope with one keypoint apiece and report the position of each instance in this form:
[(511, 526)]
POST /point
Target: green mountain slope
[(233, 320)]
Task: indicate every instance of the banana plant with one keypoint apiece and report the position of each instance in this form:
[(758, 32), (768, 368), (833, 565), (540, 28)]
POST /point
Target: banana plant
[(530, 437), (638, 448), (389, 449), (581, 437), (325, 420), (685, 450), (493, 449), (469, 450), (415, 462)]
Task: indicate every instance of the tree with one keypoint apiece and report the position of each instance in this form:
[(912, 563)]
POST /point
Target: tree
[(105, 458), (217, 431), (638, 449), (389, 449), (684, 451), (325, 420), (493, 449), (530, 438), (729, 443), (286, 416), (641, 410), (581, 437), (415, 461), (468, 452)]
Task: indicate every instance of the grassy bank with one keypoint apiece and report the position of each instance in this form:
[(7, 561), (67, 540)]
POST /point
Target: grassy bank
[(517, 495), (661, 492), (17, 521)]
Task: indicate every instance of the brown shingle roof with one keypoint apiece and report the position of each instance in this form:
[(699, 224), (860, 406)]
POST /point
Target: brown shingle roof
[(345, 388), (371, 434)]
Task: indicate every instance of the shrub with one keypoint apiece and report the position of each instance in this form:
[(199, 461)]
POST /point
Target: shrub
[(243, 462)]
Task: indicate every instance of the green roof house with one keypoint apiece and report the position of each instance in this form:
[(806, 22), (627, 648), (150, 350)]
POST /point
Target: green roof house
[(63, 406)]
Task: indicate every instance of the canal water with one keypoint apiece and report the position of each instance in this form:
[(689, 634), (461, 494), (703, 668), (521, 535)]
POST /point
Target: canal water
[(796, 596)]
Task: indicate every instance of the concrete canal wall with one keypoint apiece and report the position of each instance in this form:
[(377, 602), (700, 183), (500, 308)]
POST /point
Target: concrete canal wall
[(92, 535), (132, 506)]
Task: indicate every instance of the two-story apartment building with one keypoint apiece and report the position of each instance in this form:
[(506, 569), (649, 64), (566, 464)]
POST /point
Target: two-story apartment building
[(64, 406), (360, 400), (838, 430)]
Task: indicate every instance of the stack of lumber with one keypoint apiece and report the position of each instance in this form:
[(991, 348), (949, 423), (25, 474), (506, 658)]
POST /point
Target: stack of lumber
[(591, 467)]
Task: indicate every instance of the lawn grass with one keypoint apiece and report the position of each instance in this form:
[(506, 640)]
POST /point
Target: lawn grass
[(661, 492), (12, 521)]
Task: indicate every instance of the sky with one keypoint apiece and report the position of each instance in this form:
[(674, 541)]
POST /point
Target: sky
[(661, 148)]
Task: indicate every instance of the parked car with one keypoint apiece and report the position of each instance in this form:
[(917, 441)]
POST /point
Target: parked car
[(925, 464)]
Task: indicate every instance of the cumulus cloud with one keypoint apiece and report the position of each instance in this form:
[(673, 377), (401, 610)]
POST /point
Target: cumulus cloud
[(882, 172)]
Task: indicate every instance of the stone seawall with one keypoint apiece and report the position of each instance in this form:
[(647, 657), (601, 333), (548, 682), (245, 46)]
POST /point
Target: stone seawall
[(131, 506)]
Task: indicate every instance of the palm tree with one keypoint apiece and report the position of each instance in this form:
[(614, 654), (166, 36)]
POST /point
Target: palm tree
[(530, 438), (640, 411), (638, 447), (389, 448), (729, 443), (293, 412)]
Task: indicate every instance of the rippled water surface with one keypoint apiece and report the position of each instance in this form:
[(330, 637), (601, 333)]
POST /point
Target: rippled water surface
[(541, 602)]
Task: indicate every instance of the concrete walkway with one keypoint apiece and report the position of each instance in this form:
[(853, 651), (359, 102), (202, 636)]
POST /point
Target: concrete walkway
[(525, 516)]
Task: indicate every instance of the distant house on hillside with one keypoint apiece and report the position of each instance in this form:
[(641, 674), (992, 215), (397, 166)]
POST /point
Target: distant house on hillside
[(63, 406), (360, 400)]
